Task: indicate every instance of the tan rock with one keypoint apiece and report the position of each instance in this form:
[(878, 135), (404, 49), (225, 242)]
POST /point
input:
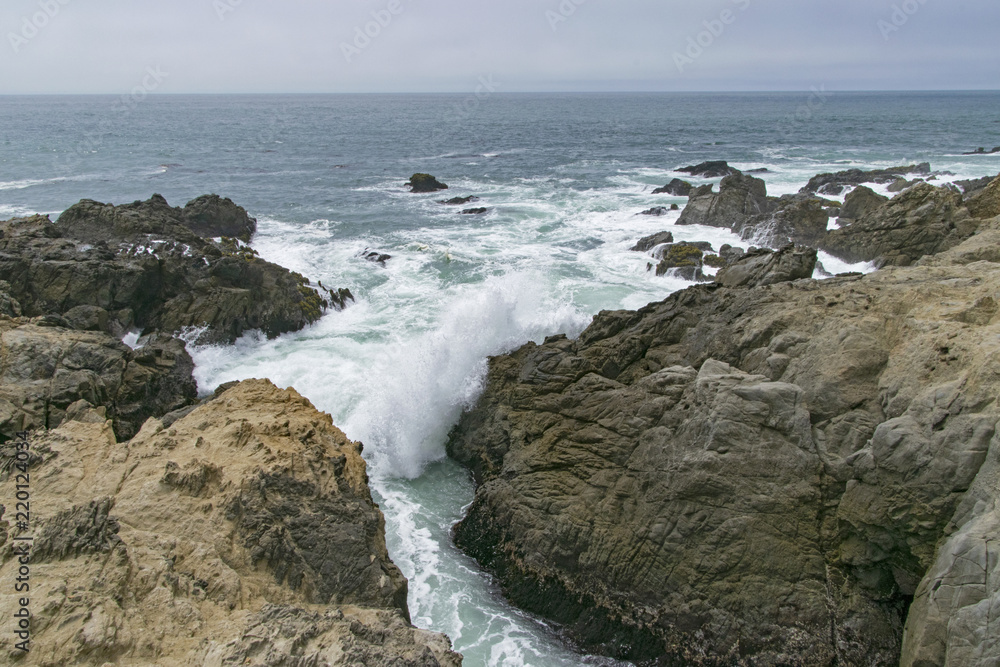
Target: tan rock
[(244, 533)]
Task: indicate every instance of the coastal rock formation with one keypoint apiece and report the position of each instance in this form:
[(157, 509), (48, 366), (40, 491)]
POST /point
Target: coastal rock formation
[(860, 203), (757, 475), (836, 183), (792, 219), (769, 267), (676, 187), (682, 260), (739, 198), (243, 533), (49, 372), (458, 201), (924, 220), (986, 203), (647, 243), (145, 268), (425, 183), (710, 169)]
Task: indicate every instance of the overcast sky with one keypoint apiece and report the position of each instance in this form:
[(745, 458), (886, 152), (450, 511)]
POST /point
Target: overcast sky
[(253, 46)]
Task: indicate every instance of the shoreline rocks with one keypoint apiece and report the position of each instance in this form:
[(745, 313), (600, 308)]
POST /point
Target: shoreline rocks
[(779, 474), (422, 183), (243, 532)]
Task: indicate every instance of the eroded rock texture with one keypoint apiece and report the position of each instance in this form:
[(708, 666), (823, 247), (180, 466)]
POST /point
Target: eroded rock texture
[(243, 533), (757, 475)]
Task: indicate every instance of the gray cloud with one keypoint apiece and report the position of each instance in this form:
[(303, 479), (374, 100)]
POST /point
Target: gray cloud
[(106, 46)]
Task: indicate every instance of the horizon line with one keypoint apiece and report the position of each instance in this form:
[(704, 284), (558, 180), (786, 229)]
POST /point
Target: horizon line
[(518, 92)]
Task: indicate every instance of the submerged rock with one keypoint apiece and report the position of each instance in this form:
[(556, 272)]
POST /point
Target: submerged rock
[(458, 201), (243, 533), (756, 475), (475, 211), (656, 211), (375, 257), (425, 183)]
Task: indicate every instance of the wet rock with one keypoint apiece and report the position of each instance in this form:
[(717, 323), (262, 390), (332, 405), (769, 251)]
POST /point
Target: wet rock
[(860, 203), (676, 187), (755, 475), (982, 151), (769, 267), (710, 169), (656, 211), (975, 185), (924, 220), (647, 243), (211, 216), (475, 211), (836, 183), (793, 219), (739, 198), (375, 256), (682, 260), (425, 183), (458, 201)]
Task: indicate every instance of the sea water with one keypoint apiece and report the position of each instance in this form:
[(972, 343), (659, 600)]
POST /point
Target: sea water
[(563, 177)]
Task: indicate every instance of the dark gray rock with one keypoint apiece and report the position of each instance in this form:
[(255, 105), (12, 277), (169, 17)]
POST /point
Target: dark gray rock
[(676, 187), (861, 203), (835, 183), (655, 211), (710, 169), (799, 219), (649, 242), (769, 267), (458, 201), (739, 198), (425, 183)]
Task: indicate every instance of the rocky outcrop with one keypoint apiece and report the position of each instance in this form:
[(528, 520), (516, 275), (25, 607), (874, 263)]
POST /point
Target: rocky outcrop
[(710, 169), (243, 533), (211, 216), (647, 243), (768, 267), (756, 475), (792, 219), (49, 372), (836, 183), (974, 185), (924, 220), (458, 201), (739, 198), (655, 211), (676, 187), (682, 260), (986, 204), (861, 203), (144, 267), (982, 151), (480, 210), (425, 183)]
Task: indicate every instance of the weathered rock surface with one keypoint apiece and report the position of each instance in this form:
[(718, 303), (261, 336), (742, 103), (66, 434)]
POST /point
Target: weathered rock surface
[(739, 198), (836, 183), (986, 204), (647, 243), (242, 534), (425, 183), (47, 371), (861, 203), (710, 169), (676, 187), (682, 260), (757, 476), (769, 267), (924, 220), (211, 216), (144, 267), (792, 219)]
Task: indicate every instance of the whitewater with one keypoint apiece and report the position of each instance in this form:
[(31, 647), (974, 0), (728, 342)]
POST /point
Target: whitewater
[(564, 179)]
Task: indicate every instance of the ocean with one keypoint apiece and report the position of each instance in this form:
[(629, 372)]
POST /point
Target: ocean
[(563, 178)]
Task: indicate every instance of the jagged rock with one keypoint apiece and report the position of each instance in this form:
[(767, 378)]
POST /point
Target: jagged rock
[(982, 151), (211, 216), (710, 169), (730, 254), (425, 183), (768, 267), (793, 219), (9, 306), (754, 475), (143, 265), (458, 201), (739, 198), (375, 256), (649, 242), (835, 183), (901, 184), (676, 187), (682, 260), (702, 190), (924, 220), (243, 533), (44, 370), (860, 203), (986, 204), (973, 186), (475, 211), (656, 210)]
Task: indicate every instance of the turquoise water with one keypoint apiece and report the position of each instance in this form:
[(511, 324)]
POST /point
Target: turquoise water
[(563, 177)]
